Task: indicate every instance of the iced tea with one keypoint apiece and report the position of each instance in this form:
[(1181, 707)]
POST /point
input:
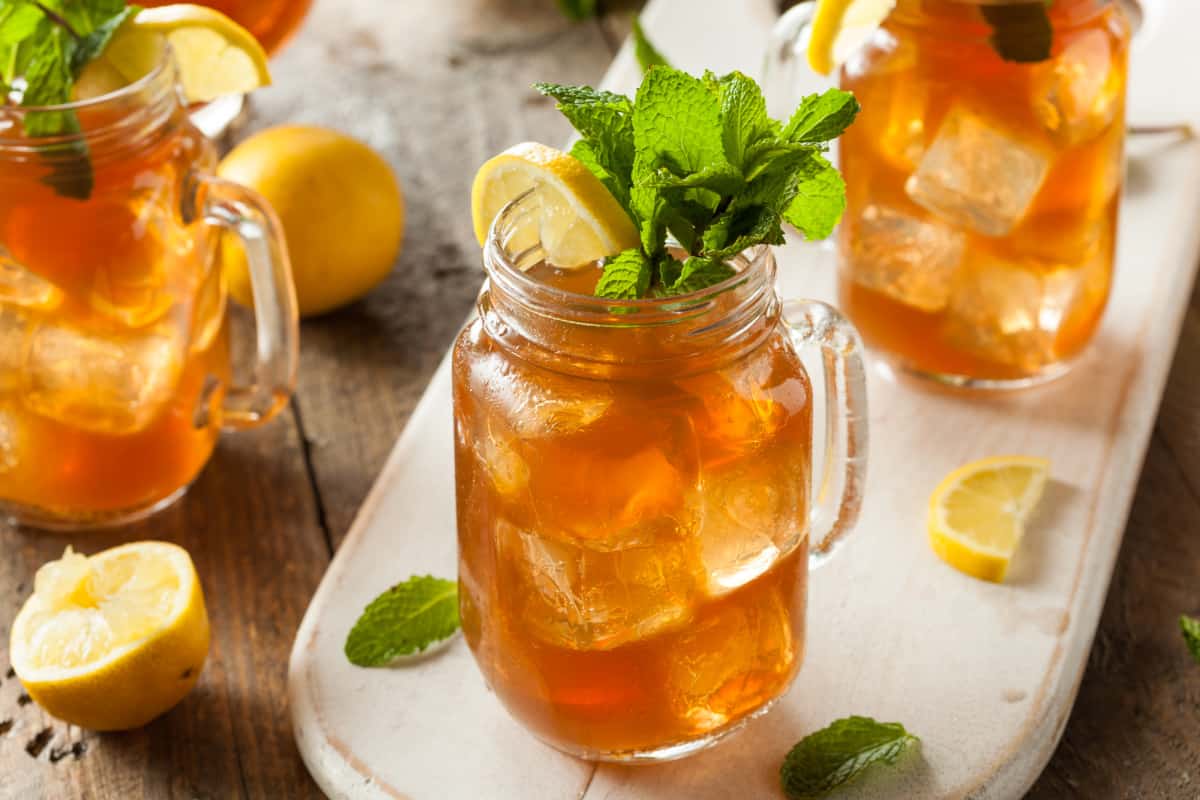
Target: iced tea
[(983, 193), (633, 516), (114, 355)]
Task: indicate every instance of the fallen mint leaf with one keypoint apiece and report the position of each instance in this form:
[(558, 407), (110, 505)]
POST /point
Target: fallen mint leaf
[(823, 761), (1190, 627), (404, 620)]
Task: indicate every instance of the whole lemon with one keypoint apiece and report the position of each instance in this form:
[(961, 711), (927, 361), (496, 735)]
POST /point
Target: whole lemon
[(341, 208)]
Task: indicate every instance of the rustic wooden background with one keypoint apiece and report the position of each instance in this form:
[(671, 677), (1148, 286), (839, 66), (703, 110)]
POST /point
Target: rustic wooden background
[(439, 87)]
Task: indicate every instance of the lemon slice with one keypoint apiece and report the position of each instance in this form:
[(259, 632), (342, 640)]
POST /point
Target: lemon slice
[(840, 27), (580, 221), (112, 641), (977, 513), (214, 54)]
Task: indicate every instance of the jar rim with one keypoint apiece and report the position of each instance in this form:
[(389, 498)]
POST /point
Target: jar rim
[(157, 84), (755, 271)]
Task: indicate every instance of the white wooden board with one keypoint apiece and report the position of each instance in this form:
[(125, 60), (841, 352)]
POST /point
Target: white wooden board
[(985, 674)]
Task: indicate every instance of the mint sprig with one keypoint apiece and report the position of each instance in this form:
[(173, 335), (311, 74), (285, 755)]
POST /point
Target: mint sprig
[(44, 46), (1190, 628), (823, 761), (404, 620), (698, 159)]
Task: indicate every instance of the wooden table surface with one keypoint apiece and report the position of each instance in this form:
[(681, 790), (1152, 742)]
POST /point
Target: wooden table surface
[(439, 87)]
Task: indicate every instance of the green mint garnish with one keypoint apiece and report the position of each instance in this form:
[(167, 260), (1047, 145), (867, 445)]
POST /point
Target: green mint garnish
[(699, 159), (644, 50), (44, 46), (1021, 32), (578, 10), (1190, 627), (824, 760), (404, 620)]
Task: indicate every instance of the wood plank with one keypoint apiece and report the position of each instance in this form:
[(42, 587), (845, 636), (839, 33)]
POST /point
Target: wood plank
[(250, 524), (437, 93)]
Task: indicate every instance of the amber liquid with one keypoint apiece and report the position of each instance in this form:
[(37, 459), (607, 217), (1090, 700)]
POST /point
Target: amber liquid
[(982, 194), (271, 21), (112, 330), (632, 552)]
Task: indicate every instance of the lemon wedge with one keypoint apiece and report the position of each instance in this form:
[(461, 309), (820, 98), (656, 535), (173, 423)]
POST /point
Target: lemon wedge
[(840, 27), (580, 221), (112, 641), (977, 514), (215, 56)]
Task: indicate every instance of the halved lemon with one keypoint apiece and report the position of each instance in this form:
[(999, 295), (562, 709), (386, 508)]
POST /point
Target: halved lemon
[(977, 514), (580, 221), (112, 641), (214, 54), (840, 27)]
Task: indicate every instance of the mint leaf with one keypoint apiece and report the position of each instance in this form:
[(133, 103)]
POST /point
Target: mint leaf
[(646, 53), (404, 620), (625, 277), (699, 273), (605, 121), (821, 117), (1190, 627), (1021, 32), (824, 760), (820, 200), (578, 10), (676, 125), (744, 120), (93, 44)]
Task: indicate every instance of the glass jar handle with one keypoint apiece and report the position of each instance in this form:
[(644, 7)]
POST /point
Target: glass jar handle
[(786, 74), (247, 216), (843, 475)]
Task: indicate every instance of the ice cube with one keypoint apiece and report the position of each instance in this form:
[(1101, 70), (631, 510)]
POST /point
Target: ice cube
[(116, 384), (10, 441), (977, 175), (1077, 94), (746, 405), (755, 512), (1010, 313), (503, 463), (581, 598), (615, 500), (15, 327), (910, 260), (131, 284), (19, 286), (535, 402), (725, 664)]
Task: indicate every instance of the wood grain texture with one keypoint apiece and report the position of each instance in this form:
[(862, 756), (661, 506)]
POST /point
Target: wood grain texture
[(250, 524)]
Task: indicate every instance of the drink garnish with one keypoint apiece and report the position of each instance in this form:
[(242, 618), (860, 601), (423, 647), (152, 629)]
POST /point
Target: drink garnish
[(47, 45), (405, 619), (977, 514), (828, 758), (1021, 32), (699, 158), (43, 49), (1190, 628)]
